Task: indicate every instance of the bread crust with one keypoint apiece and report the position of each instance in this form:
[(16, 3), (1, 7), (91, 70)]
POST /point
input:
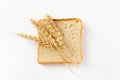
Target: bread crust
[(81, 58)]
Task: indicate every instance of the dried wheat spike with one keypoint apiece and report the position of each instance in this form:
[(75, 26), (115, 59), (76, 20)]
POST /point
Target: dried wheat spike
[(51, 36), (27, 36), (46, 36), (57, 34), (45, 39), (41, 27), (34, 38)]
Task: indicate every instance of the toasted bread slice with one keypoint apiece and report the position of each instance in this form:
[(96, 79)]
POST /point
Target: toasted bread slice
[(72, 31)]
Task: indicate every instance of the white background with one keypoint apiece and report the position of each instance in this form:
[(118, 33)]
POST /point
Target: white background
[(101, 39)]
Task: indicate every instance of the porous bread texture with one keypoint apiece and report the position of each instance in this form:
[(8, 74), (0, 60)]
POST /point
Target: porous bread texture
[(72, 31)]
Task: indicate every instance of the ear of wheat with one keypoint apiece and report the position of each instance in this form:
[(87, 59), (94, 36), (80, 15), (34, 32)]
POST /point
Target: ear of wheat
[(34, 38), (57, 34), (49, 39)]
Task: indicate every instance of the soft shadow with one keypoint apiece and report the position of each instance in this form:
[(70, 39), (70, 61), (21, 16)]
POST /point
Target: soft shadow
[(85, 45), (52, 65)]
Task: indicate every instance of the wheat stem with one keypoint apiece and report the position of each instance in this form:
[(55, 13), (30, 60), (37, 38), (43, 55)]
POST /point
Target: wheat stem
[(57, 34), (50, 37)]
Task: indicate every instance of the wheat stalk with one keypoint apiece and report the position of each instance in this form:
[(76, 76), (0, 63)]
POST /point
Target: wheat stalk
[(57, 34), (48, 38), (49, 28)]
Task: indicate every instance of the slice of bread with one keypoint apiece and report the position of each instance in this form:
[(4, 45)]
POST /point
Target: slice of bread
[(72, 29)]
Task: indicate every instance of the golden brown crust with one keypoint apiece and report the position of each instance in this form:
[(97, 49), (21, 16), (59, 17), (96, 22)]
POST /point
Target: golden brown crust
[(55, 62), (80, 43), (67, 19)]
